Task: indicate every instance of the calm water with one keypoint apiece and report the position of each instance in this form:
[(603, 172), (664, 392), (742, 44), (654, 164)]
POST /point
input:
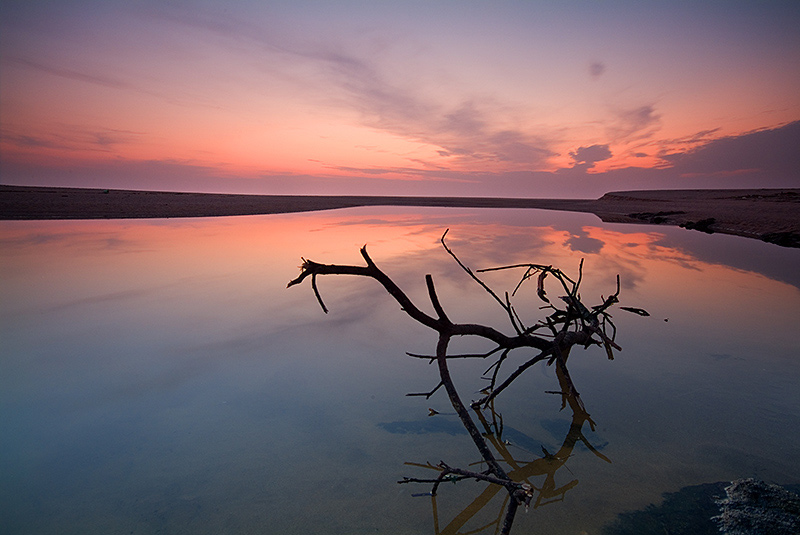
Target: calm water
[(157, 376)]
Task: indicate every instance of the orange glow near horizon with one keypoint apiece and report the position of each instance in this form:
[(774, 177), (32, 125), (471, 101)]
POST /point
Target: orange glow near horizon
[(256, 91)]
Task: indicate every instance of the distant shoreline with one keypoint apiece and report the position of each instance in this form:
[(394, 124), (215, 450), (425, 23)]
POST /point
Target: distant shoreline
[(771, 215)]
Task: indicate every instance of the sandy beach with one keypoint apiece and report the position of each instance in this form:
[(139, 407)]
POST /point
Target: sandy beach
[(771, 215)]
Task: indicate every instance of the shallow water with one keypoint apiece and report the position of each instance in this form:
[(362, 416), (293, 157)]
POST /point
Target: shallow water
[(157, 375)]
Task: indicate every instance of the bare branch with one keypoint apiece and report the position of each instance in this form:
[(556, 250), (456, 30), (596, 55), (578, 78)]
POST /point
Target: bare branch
[(496, 391), (437, 306), (483, 285), (461, 356), (572, 324), (316, 293), (427, 394)]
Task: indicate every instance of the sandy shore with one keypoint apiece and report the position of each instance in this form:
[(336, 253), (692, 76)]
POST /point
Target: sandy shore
[(769, 214)]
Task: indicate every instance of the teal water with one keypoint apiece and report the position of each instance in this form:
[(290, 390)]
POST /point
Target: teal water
[(158, 377)]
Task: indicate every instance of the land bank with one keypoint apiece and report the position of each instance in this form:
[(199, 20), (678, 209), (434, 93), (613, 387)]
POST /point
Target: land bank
[(771, 215)]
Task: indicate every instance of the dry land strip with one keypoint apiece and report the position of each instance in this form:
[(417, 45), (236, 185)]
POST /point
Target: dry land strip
[(771, 215)]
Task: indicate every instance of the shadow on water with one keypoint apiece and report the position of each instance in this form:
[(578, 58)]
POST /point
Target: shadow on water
[(686, 512)]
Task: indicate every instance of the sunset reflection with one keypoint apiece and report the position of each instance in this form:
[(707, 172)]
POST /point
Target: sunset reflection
[(168, 363)]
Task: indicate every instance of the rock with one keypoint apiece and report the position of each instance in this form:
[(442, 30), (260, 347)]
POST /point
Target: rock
[(757, 508)]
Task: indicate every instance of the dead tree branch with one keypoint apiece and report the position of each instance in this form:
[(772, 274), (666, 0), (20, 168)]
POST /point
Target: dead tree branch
[(573, 324)]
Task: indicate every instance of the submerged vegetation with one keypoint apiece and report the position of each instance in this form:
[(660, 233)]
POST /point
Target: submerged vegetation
[(569, 323)]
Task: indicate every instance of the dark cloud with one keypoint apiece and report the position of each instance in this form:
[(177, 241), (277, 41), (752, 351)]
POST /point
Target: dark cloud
[(591, 154), (596, 69), (586, 157), (767, 151), (585, 244)]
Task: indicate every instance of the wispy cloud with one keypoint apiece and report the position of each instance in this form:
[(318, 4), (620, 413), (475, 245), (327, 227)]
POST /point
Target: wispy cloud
[(71, 74), (467, 130), (684, 143), (634, 124), (88, 74), (70, 138), (21, 140)]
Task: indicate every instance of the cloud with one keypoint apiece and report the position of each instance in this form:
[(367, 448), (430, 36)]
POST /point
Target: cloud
[(698, 137), (768, 151), (69, 139), (399, 173), (596, 69), (634, 124), (465, 120), (28, 141), (107, 137), (71, 74), (591, 154), (584, 244), (86, 75), (469, 131), (486, 145), (586, 157)]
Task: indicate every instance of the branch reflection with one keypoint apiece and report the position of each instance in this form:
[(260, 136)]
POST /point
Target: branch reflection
[(539, 473)]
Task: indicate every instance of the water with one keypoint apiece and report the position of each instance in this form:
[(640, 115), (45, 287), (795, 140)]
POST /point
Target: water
[(157, 376)]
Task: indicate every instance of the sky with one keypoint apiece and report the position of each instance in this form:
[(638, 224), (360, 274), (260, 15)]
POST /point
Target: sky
[(501, 98)]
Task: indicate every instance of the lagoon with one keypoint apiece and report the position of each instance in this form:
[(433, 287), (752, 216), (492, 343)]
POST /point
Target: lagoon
[(157, 375)]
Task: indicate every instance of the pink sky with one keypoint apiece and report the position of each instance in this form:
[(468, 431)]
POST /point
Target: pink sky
[(528, 99)]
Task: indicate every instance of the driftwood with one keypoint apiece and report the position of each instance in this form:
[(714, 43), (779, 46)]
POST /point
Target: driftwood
[(552, 338)]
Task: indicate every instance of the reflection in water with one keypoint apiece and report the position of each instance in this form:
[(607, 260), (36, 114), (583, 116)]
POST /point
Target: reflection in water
[(156, 376), (546, 491)]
